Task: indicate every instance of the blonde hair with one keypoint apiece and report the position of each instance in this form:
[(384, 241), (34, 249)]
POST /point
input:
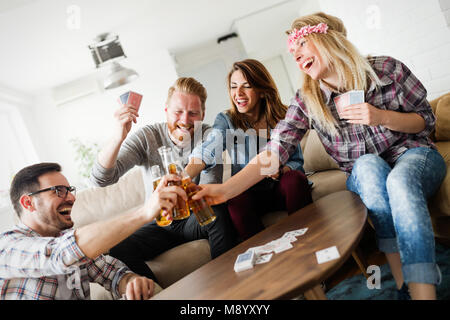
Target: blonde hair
[(189, 86), (353, 70), (260, 79)]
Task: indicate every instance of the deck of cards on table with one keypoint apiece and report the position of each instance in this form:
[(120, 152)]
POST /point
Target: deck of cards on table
[(347, 99), (263, 254), (132, 98), (327, 254)]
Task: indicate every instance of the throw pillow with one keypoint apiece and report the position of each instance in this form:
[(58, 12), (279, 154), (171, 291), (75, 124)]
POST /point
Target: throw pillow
[(316, 158), (442, 130)]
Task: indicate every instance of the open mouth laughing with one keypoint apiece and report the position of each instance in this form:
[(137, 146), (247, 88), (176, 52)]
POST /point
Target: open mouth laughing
[(308, 63), (241, 102), (65, 212), (185, 129)]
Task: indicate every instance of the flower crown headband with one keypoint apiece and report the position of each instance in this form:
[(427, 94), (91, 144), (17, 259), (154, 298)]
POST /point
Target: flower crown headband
[(296, 34)]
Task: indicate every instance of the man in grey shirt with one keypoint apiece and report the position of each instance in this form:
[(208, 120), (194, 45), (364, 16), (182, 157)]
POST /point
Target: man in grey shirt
[(185, 107)]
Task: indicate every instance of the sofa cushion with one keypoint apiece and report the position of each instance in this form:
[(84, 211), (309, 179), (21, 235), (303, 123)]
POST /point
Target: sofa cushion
[(442, 130), (327, 182), (316, 158), (172, 265), (96, 203)]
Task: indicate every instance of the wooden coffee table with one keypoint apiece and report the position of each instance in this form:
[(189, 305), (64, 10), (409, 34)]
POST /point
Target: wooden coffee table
[(337, 220)]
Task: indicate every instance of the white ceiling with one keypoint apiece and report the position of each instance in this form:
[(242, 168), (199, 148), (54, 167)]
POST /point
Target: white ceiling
[(39, 51)]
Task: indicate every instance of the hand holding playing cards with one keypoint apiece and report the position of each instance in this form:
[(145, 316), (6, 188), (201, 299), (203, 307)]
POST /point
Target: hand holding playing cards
[(363, 113), (124, 117), (164, 198)]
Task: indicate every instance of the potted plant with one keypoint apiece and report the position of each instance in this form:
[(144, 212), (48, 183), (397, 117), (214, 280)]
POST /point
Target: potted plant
[(86, 153)]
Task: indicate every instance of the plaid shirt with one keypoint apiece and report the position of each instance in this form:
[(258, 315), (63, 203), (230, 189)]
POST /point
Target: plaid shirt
[(400, 91), (33, 267)]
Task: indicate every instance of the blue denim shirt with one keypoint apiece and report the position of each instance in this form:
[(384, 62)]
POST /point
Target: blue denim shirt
[(241, 146)]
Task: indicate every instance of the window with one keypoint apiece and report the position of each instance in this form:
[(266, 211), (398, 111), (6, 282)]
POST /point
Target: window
[(17, 150)]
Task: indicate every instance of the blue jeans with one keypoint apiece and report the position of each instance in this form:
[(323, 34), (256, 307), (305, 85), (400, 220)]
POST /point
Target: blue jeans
[(396, 199)]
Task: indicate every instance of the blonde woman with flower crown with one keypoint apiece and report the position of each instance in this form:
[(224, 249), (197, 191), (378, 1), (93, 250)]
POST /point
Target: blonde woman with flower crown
[(382, 144)]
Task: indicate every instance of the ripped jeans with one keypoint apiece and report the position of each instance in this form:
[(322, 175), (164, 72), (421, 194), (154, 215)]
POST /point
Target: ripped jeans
[(396, 199)]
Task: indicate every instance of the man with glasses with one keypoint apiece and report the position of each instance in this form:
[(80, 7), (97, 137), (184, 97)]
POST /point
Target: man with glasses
[(45, 258)]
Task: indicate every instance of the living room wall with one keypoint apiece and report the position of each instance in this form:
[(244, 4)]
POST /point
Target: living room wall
[(413, 31)]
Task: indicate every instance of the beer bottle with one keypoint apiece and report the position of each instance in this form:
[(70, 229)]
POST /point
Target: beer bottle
[(161, 220), (181, 210), (200, 208)]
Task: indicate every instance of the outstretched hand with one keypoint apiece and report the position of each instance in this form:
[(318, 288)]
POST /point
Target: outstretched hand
[(282, 171), (213, 194)]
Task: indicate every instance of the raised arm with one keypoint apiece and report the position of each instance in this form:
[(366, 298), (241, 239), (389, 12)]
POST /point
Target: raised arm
[(23, 256), (210, 151), (194, 167), (123, 120), (284, 141), (264, 164)]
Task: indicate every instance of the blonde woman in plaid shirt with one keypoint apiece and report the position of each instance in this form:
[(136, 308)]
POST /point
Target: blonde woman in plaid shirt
[(44, 258), (382, 144)]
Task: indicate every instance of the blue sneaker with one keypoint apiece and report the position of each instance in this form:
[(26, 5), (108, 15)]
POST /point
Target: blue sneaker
[(403, 293)]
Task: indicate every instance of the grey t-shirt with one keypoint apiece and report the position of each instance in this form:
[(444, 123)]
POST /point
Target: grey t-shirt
[(141, 149)]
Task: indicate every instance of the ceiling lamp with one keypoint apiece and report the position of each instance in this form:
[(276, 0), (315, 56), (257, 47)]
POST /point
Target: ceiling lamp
[(119, 76), (106, 51)]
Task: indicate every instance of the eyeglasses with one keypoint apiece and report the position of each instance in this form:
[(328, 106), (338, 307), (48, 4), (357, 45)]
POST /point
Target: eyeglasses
[(61, 191)]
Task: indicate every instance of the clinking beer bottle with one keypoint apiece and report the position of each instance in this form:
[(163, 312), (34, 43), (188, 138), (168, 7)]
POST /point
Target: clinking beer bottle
[(181, 210), (202, 210), (161, 220)]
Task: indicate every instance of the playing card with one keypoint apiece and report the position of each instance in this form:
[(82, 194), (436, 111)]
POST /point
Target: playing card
[(300, 232), (289, 236), (132, 98), (260, 250), (264, 258), (326, 255), (244, 261), (296, 233), (347, 99), (283, 247), (135, 99), (271, 246), (124, 97)]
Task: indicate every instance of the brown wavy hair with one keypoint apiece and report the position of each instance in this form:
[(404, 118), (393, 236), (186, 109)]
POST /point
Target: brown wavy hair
[(260, 79)]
